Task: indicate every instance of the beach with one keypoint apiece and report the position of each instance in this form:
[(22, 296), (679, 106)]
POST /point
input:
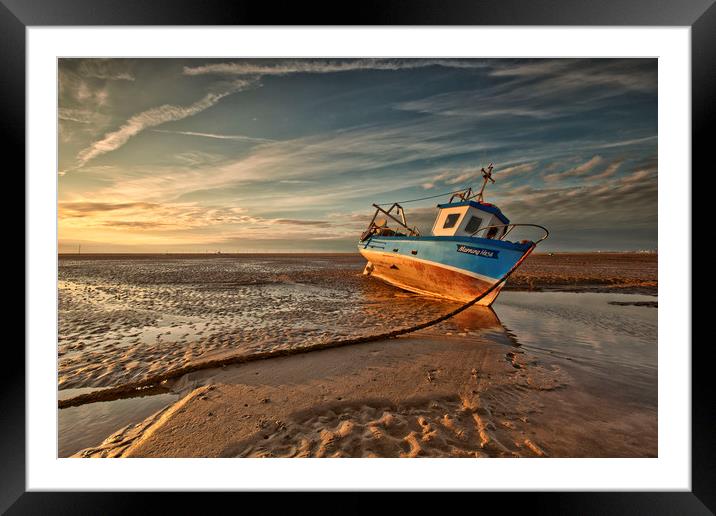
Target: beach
[(562, 365), (634, 273)]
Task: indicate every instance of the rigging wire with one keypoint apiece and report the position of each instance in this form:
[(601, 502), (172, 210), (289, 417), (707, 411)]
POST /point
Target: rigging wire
[(422, 198)]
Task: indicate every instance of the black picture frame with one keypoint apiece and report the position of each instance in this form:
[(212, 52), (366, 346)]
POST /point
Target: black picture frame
[(700, 15)]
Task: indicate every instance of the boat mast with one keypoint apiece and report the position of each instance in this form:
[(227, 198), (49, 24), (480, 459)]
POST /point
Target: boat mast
[(487, 176)]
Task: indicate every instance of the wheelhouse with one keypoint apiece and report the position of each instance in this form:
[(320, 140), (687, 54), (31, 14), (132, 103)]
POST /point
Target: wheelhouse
[(465, 215), (465, 218)]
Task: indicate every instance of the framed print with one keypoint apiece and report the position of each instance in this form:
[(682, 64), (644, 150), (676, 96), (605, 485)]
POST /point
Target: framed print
[(419, 252)]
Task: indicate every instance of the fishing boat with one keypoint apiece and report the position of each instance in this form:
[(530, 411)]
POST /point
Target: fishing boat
[(466, 255)]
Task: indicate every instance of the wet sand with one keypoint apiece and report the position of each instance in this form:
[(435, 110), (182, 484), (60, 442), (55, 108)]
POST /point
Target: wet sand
[(465, 388), (536, 377), (634, 273), (408, 398)]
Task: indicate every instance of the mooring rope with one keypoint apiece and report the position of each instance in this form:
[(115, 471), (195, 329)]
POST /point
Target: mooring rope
[(152, 384)]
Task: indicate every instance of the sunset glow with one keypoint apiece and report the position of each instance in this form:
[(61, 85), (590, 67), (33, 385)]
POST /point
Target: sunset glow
[(230, 155)]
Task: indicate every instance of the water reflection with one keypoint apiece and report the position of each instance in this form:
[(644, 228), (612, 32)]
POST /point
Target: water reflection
[(87, 425), (611, 349)]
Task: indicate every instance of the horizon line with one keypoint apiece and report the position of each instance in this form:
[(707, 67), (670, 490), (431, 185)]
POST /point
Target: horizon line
[(640, 251)]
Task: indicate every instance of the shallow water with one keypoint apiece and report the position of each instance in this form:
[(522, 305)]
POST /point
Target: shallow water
[(87, 425), (122, 320), (609, 347)]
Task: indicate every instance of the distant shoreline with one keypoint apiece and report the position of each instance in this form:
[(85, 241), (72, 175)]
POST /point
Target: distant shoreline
[(310, 253), (622, 272)]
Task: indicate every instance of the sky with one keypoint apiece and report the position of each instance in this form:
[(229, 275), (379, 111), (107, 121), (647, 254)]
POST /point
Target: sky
[(288, 155)]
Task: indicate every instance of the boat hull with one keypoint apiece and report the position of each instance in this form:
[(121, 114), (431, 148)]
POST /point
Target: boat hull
[(460, 269)]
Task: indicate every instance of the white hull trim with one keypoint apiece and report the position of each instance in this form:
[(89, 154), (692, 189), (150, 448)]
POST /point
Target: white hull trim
[(366, 253)]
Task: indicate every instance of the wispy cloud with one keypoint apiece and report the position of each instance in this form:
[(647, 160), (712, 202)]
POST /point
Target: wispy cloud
[(607, 173), (301, 222), (541, 89), (181, 223), (81, 116), (235, 137), (577, 171), (82, 94), (324, 66), (109, 69), (73, 123), (466, 176), (515, 170), (197, 158), (626, 202), (151, 118), (570, 74), (625, 143), (299, 160), (150, 214), (86, 208)]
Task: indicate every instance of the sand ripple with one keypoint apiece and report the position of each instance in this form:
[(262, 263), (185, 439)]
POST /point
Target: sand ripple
[(443, 427), (124, 320)]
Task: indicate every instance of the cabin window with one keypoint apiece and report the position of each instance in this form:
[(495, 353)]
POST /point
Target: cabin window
[(492, 232), (473, 225), (451, 220)]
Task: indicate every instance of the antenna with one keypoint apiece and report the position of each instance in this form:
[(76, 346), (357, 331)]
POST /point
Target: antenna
[(487, 176)]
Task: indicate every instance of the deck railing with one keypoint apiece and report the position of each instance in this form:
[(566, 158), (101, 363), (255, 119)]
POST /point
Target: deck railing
[(513, 226), (373, 227)]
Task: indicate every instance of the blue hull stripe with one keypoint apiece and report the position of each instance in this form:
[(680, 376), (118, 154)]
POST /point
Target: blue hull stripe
[(479, 256), (471, 241)]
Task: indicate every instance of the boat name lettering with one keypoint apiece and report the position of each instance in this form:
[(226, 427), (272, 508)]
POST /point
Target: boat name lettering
[(477, 251)]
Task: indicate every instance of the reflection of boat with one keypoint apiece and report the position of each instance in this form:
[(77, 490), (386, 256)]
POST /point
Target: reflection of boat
[(453, 262), (476, 319)]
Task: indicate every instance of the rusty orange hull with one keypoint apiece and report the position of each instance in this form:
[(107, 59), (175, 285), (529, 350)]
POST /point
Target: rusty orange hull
[(429, 278)]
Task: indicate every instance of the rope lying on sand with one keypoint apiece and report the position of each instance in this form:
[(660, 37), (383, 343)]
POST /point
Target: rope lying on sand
[(153, 384)]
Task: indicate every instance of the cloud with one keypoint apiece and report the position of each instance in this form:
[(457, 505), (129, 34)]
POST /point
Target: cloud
[(638, 177), (73, 122), (624, 143), (473, 104), (75, 89), (81, 116), (465, 176), (514, 170), (542, 89), (608, 172), (300, 222), (146, 215), (364, 150), (236, 137), (83, 209), (132, 224), (151, 118), (150, 215), (593, 209), (198, 158), (287, 67), (578, 171), (455, 177), (630, 74), (109, 69), (341, 146)]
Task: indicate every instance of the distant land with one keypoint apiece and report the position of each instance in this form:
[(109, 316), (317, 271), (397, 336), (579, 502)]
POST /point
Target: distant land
[(628, 272)]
